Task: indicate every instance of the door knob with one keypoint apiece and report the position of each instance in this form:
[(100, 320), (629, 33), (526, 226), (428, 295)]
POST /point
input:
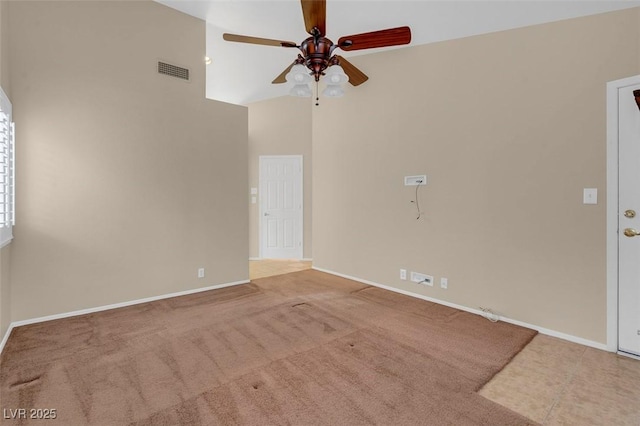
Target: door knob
[(630, 214), (267, 214), (630, 232)]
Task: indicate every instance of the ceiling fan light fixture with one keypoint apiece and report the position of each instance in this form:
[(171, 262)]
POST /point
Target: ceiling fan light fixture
[(298, 75), (316, 58), (336, 75), (301, 91), (333, 91)]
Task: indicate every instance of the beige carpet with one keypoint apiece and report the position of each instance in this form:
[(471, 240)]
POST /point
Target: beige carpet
[(305, 348)]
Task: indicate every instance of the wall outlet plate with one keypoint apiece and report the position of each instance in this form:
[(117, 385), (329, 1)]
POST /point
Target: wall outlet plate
[(419, 278), (403, 274), (444, 283), (415, 180), (200, 272)]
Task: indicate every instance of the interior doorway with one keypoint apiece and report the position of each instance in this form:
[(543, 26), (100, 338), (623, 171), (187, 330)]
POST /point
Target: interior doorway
[(280, 210), (623, 216)]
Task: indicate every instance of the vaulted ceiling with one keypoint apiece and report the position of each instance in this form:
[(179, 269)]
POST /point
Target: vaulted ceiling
[(242, 73)]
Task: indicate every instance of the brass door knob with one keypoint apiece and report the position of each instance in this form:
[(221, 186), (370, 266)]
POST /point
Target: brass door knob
[(630, 214), (630, 232)]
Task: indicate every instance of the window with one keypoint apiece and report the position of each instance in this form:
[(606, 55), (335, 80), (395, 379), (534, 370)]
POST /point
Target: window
[(7, 175)]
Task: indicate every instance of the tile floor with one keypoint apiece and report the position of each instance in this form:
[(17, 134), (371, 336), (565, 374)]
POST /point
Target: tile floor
[(551, 381), (556, 382), (269, 267)]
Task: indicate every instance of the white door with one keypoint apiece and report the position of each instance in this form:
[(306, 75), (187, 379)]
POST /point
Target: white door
[(281, 207), (629, 221)]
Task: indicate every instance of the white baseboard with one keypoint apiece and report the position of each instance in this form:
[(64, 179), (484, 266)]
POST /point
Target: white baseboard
[(304, 259), (5, 338), (112, 306), (541, 330)]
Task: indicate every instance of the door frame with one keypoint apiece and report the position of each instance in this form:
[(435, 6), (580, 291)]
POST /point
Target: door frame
[(261, 202), (612, 207)]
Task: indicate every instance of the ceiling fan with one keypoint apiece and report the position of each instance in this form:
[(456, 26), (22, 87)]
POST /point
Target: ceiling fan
[(317, 56)]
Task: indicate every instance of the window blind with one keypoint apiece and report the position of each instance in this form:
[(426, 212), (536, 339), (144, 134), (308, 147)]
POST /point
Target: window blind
[(7, 172)]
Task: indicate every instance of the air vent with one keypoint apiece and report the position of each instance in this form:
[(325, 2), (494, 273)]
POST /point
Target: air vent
[(173, 71)]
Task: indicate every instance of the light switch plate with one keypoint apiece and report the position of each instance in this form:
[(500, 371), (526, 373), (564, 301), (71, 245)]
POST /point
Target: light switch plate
[(590, 196), (254, 191)]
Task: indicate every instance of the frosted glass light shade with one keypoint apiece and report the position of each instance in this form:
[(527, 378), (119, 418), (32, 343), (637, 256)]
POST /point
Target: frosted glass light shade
[(335, 75), (299, 74), (333, 91), (301, 91)]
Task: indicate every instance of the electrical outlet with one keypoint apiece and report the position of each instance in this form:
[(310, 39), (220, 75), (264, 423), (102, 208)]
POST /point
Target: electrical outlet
[(419, 278), (403, 274), (444, 283), (200, 272)]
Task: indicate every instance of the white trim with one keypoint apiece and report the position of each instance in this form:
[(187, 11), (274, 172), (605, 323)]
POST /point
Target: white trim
[(628, 355), (8, 186), (113, 306), (260, 199), (612, 208), (541, 330), (304, 259), (6, 337)]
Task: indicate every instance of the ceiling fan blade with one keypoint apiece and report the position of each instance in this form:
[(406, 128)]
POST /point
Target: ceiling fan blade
[(282, 77), (257, 40), (356, 77), (382, 38), (315, 15)]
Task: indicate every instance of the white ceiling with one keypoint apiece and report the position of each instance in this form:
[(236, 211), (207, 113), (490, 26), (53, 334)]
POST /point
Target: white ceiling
[(242, 73)]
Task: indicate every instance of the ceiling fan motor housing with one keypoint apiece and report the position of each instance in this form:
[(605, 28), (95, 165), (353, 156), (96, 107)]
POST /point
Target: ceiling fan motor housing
[(317, 52)]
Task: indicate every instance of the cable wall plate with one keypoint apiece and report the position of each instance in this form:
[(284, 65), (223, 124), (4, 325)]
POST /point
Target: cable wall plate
[(415, 180)]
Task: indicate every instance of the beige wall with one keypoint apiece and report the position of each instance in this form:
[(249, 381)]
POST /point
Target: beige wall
[(509, 127), (280, 126), (128, 181), (4, 47), (5, 253)]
